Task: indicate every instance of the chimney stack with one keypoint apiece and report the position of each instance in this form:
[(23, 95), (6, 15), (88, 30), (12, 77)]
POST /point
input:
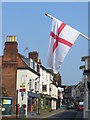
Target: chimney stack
[(10, 50), (33, 55), (9, 68)]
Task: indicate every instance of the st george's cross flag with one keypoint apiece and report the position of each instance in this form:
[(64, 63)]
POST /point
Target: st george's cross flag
[(62, 37)]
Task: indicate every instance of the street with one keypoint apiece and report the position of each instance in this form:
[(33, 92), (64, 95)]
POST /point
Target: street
[(67, 114), (63, 115)]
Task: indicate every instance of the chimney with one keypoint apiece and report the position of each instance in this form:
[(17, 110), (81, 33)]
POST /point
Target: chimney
[(10, 50), (9, 68), (33, 55), (39, 61)]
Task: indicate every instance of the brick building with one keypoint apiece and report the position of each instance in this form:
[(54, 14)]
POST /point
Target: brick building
[(14, 65), (11, 62), (9, 69)]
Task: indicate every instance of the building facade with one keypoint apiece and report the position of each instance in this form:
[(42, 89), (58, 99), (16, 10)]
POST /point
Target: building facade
[(86, 76), (45, 90), (9, 69), (30, 87)]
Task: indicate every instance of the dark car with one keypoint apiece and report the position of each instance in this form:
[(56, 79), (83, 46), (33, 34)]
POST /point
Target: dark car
[(79, 107), (70, 106)]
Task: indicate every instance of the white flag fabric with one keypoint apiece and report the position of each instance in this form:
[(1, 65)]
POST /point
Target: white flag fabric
[(62, 38)]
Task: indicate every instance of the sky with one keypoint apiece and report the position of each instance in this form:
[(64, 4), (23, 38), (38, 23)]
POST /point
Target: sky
[(28, 22)]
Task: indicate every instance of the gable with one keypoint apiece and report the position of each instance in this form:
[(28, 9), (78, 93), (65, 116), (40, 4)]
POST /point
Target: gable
[(20, 62)]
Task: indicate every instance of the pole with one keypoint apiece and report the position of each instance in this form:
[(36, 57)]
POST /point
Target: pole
[(50, 16)]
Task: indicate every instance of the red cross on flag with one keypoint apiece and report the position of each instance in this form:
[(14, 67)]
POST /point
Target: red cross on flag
[(62, 38)]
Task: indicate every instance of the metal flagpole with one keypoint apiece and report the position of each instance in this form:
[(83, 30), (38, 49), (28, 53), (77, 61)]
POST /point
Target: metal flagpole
[(50, 16)]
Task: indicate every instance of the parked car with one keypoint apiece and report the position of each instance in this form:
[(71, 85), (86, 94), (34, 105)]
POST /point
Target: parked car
[(70, 106), (79, 107)]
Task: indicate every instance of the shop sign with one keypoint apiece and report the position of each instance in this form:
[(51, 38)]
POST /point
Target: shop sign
[(6, 102)]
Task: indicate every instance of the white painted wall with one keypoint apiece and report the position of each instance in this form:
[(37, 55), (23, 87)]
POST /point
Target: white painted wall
[(45, 79), (61, 92), (23, 77), (53, 104), (54, 91)]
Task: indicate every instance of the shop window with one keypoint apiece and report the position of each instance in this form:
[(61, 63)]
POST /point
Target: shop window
[(46, 103), (44, 88), (33, 105), (42, 104), (29, 105)]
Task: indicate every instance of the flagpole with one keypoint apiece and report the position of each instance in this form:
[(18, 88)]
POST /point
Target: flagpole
[(50, 16)]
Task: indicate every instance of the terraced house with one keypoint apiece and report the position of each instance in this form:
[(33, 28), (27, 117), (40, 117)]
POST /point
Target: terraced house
[(27, 86)]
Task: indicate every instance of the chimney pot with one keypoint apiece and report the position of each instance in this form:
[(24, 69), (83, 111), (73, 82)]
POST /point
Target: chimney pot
[(7, 38), (10, 38), (15, 38)]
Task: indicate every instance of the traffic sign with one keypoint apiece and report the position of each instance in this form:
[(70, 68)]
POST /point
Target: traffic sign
[(22, 90), (22, 94)]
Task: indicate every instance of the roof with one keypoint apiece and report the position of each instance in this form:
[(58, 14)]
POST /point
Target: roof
[(85, 57), (83, 66), (45, 68), (27, 62)]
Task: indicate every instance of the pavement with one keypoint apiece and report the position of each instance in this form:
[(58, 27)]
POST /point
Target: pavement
[(43, 115), (48, 114)]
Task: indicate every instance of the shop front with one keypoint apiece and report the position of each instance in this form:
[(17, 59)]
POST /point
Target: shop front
[(7, 108), (32, 103), (44, 103)]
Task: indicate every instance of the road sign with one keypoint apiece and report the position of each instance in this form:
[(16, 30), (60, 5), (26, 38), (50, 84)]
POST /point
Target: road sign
[(22, 90), (22, 94)]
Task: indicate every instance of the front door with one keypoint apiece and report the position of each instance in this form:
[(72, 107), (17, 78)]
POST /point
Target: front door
[(32, 106)]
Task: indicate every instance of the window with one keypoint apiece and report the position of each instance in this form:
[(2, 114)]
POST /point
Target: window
[(46, 103), (44, 88), (42, 73), (50, 76), (35, 85), (30, 84), (33, 65), (89, 100), (46, 76), (42, 104)]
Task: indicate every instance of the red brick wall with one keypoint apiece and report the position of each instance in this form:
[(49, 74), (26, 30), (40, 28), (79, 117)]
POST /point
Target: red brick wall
[(10, 52), (9, 77), (20, 63), (9, 70)]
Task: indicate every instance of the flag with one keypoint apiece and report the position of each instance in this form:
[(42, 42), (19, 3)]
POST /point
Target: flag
[(62, 37)]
